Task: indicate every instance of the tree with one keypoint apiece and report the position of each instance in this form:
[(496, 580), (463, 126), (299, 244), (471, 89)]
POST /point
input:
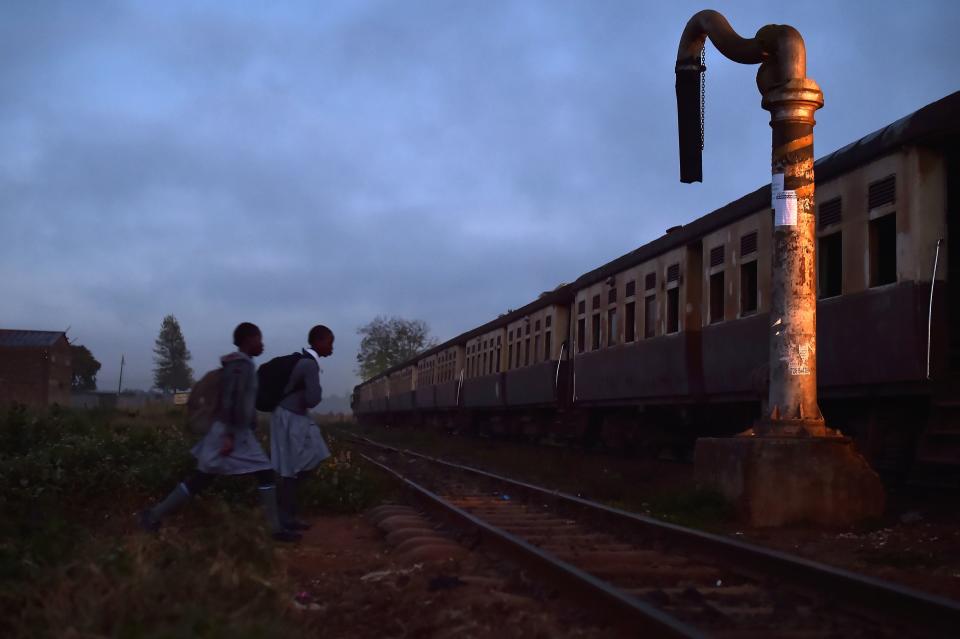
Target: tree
[(171, 371), (387, 341), (85, 367)]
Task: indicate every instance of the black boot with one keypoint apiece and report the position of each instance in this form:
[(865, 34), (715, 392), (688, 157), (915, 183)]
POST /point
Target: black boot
[(288, 505), (268, 499)]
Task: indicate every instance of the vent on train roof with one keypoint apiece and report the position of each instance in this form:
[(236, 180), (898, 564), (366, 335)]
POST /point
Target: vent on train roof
[(830, 213), (748, 244), (651, 281), (673, 273), (882, 192), (716, 256)]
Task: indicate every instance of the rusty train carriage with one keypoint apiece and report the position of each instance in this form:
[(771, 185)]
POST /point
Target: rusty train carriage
[(671, 340)]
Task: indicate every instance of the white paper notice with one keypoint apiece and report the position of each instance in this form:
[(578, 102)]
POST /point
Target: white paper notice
[(785, 209), (776, 188)]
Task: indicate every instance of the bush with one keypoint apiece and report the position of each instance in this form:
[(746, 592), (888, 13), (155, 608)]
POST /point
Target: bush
[(69, 565)]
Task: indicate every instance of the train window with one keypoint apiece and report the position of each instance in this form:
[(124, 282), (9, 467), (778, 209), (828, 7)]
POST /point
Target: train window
[(581, 307), (748, 244), (883, 250), (631, 288), (612, 327), (748, 288), (716, 297), (828, 213), (630, 318), (830, 269), (526, 357), (716, 256), (546, 347), (596, 302), (673, 273), (596, 332), (509, 356), (581, 337), (673, 310), (650, 316), (536, 348), (882, 192)]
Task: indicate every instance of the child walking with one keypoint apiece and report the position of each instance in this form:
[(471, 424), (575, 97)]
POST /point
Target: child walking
[(229, 447), (296, 445)]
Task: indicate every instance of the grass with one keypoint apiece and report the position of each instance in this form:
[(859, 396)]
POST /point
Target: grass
[(72, 563)]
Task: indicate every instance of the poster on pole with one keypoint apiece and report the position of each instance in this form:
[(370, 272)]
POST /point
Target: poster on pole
[(776, 188), (785, 209)]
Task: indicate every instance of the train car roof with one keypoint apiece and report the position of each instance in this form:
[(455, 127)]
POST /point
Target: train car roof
[(933, 125)]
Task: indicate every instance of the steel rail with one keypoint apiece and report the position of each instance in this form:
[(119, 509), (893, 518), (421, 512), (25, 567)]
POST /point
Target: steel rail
[(865, 594), (630, 612)]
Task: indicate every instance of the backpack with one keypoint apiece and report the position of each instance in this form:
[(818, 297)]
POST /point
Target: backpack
[(204, 402), (272, 378)]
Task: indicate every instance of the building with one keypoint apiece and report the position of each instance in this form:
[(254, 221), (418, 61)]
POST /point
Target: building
[(35, 367)]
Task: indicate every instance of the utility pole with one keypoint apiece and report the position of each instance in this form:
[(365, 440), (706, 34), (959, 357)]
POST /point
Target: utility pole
[(120, 383)]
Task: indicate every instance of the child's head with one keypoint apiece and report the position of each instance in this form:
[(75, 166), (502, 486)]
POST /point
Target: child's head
[(320, 339), (248, 339)]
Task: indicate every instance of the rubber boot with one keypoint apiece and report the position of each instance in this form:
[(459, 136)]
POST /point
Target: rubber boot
[(288, 505), (268, 499), (151, 518)]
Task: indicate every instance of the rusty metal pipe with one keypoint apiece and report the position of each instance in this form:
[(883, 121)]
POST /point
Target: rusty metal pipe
[(791, 98)]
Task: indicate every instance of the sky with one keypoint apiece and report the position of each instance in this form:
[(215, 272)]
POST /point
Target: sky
[(296, 163)]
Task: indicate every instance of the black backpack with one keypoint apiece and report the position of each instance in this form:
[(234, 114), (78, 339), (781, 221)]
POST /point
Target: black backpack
[(272, 378)]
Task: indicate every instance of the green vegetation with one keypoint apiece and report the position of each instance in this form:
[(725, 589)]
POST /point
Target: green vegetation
[(73, 563)]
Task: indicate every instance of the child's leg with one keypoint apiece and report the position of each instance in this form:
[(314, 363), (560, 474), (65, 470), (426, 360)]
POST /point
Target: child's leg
[(268, 499), (150, 519)]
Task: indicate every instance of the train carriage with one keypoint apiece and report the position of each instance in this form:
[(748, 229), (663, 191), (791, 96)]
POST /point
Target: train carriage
[(675, 335)]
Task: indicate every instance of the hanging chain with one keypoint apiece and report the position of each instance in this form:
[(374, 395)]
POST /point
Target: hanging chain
[(703, 89)]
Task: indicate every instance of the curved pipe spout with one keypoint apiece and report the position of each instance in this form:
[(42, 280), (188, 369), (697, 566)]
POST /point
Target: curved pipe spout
[(777, 48)]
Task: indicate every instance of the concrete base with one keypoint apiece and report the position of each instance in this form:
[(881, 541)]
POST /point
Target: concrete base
[(777, 481)]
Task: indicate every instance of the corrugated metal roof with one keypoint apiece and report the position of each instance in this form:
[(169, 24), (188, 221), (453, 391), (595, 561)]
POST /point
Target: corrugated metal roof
[(934, 125), (14, 338)]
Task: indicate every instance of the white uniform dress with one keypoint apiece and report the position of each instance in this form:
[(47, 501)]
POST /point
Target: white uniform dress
[(237, 416), (296, 444)]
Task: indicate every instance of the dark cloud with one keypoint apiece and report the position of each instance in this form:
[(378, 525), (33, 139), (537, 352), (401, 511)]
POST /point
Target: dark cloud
[(328, 162)]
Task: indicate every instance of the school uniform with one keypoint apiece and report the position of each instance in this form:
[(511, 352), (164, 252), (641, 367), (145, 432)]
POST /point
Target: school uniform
[(296, 445), (237, 416)]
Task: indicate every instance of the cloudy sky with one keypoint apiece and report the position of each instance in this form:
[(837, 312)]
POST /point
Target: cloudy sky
[(325, 162)]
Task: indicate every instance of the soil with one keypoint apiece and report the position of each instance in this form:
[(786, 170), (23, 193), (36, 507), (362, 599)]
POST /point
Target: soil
[(915, 544), (355, 585)]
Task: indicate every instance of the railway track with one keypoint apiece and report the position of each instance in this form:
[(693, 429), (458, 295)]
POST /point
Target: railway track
[(656, 578)]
